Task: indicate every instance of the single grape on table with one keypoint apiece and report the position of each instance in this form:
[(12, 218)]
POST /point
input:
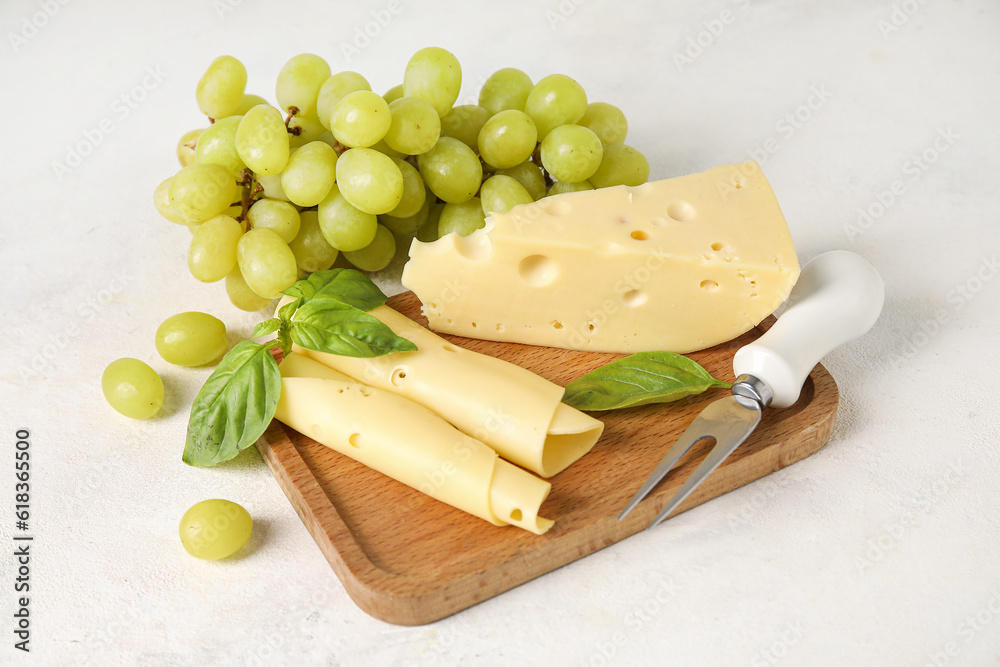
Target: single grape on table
[(332, 171)]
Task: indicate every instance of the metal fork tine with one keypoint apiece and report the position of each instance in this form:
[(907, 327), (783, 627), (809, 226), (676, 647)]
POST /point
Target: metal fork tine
[(711, 462), (688, 439)]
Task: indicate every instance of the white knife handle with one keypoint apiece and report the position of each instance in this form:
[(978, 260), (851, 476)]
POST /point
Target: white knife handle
[(837, 298)]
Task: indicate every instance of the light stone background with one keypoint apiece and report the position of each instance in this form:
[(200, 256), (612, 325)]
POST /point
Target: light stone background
[(882, 549)]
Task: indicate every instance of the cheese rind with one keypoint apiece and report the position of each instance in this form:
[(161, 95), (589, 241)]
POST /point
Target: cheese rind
[(681, 265), (516, 412), (409, 443)]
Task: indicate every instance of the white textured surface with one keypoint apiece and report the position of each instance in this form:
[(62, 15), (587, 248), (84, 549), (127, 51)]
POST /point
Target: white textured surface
[(773, 573)]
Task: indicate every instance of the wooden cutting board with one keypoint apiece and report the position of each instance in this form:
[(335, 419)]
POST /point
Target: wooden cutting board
[(408, 559)]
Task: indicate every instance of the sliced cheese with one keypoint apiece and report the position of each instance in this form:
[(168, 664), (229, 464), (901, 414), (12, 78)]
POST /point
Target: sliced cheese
[(514, 411), (409, 443), (679, 265)]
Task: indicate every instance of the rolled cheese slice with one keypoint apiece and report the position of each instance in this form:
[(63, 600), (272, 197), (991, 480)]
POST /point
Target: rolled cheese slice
[(517, 413), (409, 443)]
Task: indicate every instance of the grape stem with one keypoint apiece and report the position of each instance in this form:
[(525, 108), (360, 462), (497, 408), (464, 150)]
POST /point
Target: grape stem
[(252, 190), (292, 112)]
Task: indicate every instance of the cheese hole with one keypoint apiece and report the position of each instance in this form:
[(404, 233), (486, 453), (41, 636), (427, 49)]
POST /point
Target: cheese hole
[(718, 246), (475, 247), (354, 440), (709, 285), (681, 211), (557, 324), (590, 326), (642, 190), (515, 515), (448, 347), (658, 221), (538, 270), (398, 376), (499, 327), (557, 207), (753, 295), (623, 220), (640, 235), (634, 298)]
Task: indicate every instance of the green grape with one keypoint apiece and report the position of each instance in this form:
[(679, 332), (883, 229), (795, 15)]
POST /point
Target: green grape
[(360, 119), (249, 102), (279, 216), (622, 165), (215, 529), (506, 88), (376, 255), (311, 249), (463, 219), (369, 180), (161, 200), (334, 89), (202, 191), (299, 82), (451, 170), (435, 76), (304, 129), (309, 174), (262, 140), (220, 90), (529, 175), (212, 253), (272, 186), (241, 295), (464, 123), (507, 139), (555, 100), (186, 146), (607, 121), (384, 149), (191, 339), (428, 230), (407, 226), (132, 388), (343, 225), (571, 153), (415, 126), (502, 193), (393, 93), (560, 187), (266, 262), (414, 192), (217, 145)]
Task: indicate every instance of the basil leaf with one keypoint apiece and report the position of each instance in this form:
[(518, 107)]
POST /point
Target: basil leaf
[(327, 325), (639, 379), (234, 407), (266, 327), (286, 311), (346, 285)]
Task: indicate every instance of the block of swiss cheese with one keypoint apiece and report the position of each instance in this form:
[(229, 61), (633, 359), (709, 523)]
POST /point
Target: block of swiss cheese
[(680, 264)]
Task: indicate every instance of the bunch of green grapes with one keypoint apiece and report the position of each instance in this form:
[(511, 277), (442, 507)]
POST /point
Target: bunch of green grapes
[(272, 193)]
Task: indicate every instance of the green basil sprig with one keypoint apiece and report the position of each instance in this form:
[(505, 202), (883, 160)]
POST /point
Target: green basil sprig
[(329, 314), (639, 379)]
